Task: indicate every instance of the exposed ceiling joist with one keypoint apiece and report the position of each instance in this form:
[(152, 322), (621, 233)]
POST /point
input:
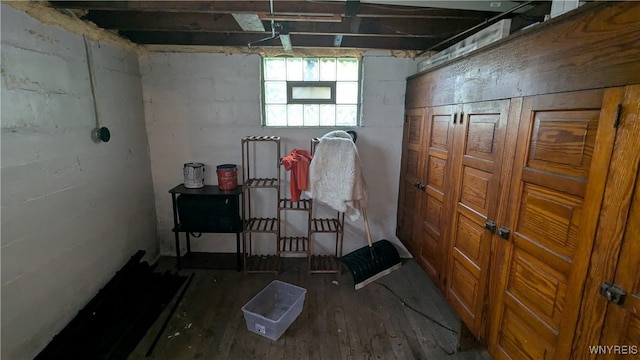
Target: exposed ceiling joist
[(241, 39), (300, 17), (309, 24), (280, 7), (202, 22)]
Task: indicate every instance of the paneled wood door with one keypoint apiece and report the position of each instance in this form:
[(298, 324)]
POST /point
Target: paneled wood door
[(617, 225), (410, 172), (622, 323), (430, 232), (479, 142), (563, 150)]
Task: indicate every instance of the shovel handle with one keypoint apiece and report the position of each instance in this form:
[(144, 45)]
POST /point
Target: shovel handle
[(366, 226)]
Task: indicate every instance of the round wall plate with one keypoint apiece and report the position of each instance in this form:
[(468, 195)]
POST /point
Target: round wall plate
[(101, 135)]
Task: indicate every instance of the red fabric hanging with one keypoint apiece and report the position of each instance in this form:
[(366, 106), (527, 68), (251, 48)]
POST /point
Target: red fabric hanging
[(298, 162)]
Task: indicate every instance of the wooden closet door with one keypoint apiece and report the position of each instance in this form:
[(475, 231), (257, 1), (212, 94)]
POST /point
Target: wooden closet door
[(614, 257), (479, 148), (622, 323), (410, 172), (430, 230), (563, 150)]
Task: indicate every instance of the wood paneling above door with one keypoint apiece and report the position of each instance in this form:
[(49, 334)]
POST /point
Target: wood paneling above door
[(583, 50)]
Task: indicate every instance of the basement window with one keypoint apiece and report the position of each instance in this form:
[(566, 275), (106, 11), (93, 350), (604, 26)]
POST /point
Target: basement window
[(311, 92)]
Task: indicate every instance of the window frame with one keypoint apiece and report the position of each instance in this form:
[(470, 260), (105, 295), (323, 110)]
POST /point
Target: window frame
[(332, 84), (329, 84)]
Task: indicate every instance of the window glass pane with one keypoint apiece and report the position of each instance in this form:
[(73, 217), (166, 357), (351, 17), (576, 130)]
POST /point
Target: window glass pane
[(327, 115), (274, 69), (347, 69), (275, 92), (294, 93), (327, 69), (346, 115), (346, 93), (295, 115), (311, 69), (276, 115), (294, 69), (310, 92), (311, 115)]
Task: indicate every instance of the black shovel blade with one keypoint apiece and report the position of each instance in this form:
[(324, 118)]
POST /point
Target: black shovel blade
[(368, 264)]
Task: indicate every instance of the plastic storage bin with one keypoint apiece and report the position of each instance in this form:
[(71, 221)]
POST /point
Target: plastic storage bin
[(274, 309)]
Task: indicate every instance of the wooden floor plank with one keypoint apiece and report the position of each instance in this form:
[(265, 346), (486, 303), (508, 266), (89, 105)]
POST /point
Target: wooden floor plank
[(343, 334), (332, 298), (397, 339), (346, 295), (379, 337), (425, 298), (337, 322), (310, 348), (236, 337)]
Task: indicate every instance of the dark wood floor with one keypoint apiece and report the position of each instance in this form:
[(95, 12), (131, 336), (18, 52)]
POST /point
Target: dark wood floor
[(337, 322)]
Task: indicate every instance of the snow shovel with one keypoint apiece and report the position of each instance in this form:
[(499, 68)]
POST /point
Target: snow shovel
[(371, 262)]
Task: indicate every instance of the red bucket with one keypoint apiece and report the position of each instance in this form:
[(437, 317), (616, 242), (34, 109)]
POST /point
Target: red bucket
[(227, 176)]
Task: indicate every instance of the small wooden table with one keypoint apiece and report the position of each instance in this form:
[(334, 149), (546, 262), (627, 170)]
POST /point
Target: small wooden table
[(221, 196)]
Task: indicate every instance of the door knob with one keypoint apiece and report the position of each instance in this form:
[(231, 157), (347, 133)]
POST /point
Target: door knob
[(490, 225), (613, 293), (504, 232)]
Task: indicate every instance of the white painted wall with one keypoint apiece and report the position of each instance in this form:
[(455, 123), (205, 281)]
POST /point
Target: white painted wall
[(198, 107), (73, 212)]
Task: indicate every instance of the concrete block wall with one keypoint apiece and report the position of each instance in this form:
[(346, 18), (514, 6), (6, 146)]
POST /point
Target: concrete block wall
[(73, 211), (198, 107)]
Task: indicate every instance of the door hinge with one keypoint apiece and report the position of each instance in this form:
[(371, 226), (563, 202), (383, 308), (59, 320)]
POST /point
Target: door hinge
[(616, 121), (613, 293)]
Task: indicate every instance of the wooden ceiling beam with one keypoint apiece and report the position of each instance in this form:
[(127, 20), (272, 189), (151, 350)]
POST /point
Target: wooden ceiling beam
[(280, 7), (162, 21), (300, 41), (203, 22), (333, 18)]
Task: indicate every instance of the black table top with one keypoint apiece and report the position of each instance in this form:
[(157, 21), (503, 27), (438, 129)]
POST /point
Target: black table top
[(206, 190)]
